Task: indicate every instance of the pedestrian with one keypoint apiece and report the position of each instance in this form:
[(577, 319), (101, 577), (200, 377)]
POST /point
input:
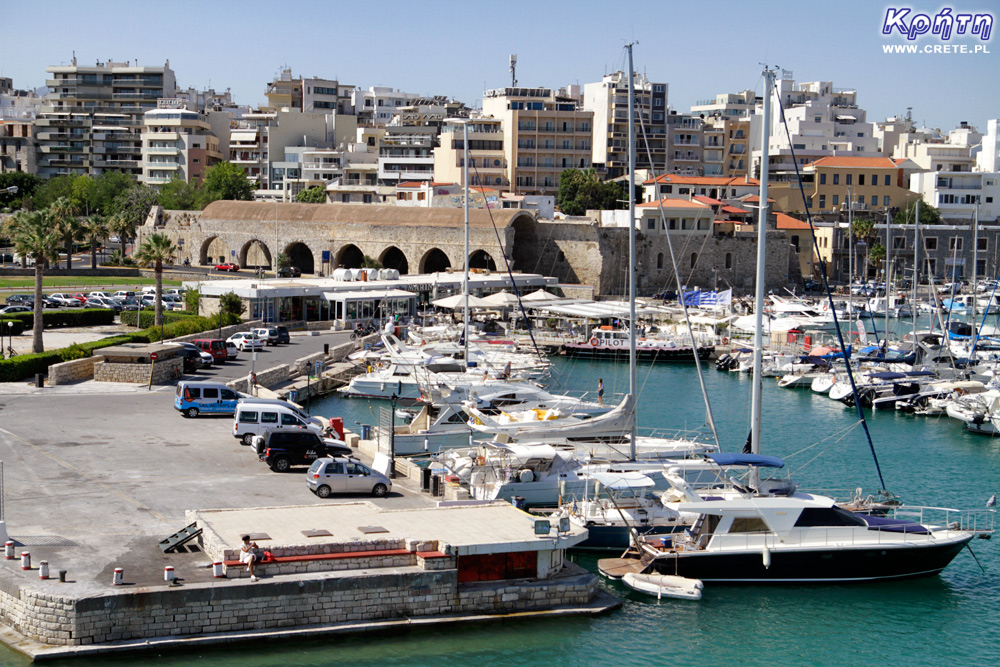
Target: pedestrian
[(252, 384), (248, 555), (600, 391), (506, 370)]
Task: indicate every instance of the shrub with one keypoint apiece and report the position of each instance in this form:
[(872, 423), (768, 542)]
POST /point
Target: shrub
[(25, 365), (12, 326), (87, 317)]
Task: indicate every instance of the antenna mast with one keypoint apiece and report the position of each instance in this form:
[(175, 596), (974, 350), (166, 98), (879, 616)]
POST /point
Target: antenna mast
[(513, 70)]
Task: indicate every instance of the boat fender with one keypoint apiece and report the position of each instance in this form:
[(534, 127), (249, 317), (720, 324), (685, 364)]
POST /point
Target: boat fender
[(526, 476), (766, 556), (594, 341)]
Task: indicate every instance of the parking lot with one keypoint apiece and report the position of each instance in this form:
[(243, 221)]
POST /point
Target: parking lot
[(93, 481)]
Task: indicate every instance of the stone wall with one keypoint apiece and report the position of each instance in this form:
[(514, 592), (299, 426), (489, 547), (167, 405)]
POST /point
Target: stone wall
[(73, 371), (164, 372)]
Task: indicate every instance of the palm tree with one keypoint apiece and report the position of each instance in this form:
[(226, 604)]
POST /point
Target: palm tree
[(34, 237), (155, 250), (62, 212), (117, 224), (95, 230)]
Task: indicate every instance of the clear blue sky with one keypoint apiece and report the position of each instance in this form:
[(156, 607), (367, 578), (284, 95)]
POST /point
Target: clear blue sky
[(434, 47)]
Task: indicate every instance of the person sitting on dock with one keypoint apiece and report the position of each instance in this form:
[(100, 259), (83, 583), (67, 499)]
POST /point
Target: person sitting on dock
[(248, 555)]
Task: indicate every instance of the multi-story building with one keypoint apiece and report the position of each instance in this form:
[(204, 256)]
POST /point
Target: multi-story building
[(934, 152), (205, 100), (686, 138), (686, 187), (487, 160), (177, 143), (728, 105), (822, 121), (248, 146), (93, 116), (327, 96), (543, 135), (17, 145), (379, 104), (864, 184), (406, 153), (956, 194), (608, 100)]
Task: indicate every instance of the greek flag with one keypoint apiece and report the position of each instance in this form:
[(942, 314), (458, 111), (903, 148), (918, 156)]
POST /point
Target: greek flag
[(698, 298)]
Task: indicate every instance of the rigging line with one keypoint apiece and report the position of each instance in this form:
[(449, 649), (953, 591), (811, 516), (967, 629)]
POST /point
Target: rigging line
[(826, 284), (839, 435), (510, 274), (673, 259)]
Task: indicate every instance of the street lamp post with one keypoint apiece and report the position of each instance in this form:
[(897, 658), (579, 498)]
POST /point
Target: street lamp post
[(10, 341)]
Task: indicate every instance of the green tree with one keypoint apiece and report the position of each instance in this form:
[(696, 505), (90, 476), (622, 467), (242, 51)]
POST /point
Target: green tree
[(179, 195), (62, 213), (131, 208), (581, 190), (231, 304), (863, 230), (370, 263), (53, 189), (192, 300), (928, 214), (225, 181), (110, 185), (26, 185), (94, 229), (34, 237), (156, 250), (876, 255), (85, 194), (282, 261), (316, 195)]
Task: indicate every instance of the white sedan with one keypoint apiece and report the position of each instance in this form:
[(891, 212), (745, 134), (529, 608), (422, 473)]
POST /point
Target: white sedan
[(246, 340)]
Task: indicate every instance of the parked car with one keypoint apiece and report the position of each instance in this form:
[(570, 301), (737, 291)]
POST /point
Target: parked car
[(215, 347), (103, 295), (228, 266), (283, 336), (232, 350), (123, 294), (65, 300), (206, 360), (289, 272), (345, 475), (281, 450), (257, 416), (10, 310), (194, 359), (246, 340), (19, 299), (100, 303), (80, 296), (267, 334)]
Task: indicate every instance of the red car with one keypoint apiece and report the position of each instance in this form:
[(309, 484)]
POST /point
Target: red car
[(228, 266), (82, 298)]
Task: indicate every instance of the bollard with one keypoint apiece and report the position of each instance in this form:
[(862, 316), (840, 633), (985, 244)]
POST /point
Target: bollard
[(39, 380), (326, 349), (62, 576), (25, 560), (168, 573), (119, 574), (217, 570), (435, 485), (425, 479), (43, 569), (9, 550)]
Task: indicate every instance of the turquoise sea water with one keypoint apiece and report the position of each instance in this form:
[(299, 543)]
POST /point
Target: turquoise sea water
[(950, 619)]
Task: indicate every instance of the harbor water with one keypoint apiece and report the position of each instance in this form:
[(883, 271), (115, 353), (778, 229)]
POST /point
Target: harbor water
[(950, 619)]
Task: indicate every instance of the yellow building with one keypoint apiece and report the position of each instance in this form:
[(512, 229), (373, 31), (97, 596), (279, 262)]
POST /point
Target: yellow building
[(871, 184)]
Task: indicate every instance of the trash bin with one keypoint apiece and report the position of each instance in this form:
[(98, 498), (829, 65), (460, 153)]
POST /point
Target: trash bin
[(435, 485), (39, 380), (366, 431), (425, 479)]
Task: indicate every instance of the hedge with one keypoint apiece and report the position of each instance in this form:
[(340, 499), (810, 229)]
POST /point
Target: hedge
[(12, 326), (146, 317), (26, 365), (88, 317)]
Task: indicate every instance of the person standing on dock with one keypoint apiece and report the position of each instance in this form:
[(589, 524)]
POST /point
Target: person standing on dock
[(600, 391)]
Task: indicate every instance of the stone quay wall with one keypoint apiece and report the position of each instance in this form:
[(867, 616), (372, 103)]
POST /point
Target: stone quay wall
[(164, 372), (73, 371)]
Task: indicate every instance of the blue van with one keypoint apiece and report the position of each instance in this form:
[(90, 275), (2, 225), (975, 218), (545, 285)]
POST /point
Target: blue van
[(212, 398)]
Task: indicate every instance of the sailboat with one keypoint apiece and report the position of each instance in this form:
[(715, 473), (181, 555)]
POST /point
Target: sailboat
[(765, 530)]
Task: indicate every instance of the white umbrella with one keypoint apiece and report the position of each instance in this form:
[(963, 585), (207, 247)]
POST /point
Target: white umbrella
[(457, 302), (540, 295), (503, 299)]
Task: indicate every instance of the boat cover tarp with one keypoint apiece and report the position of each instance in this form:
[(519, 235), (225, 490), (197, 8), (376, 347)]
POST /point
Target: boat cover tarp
[(622, 480), (738, 459), (893, 525)]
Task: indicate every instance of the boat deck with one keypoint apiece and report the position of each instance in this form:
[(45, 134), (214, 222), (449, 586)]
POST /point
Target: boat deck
[(616, 568)]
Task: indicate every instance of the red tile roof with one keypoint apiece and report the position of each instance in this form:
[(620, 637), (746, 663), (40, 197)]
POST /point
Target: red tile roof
[(669, 202), (754, 199), (707, 200), (734, 209), (788, 222), (845, 162), (675, 179)]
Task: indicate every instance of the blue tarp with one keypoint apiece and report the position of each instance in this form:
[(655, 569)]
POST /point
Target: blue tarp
[(737, 459), (893, 525)]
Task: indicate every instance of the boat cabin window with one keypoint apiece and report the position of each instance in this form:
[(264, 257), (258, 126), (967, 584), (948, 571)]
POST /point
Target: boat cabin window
[(827, 516), (749, 525), (507, 399), (458, 418)]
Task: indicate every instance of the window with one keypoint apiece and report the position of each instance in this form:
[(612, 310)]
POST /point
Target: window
[(208, 392), (980, 266), (817, 119), (861, 199), (861, 179), (982, 244), (836, 179), (930, 243), (955, 243), (269, 418), (289, 420), (836, 199), (659, 260), (899, 242), (651, 224), (822, 179), (887, 179), (822, 202), (932, 266), (848, 180), (885, 200), (335, 468), (248, 417), (729, 260)]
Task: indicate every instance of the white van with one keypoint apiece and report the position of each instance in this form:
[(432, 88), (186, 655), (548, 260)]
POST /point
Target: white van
[(254, 418)]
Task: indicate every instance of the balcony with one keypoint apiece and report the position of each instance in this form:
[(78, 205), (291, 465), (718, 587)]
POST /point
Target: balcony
[(161, 166), (156, 180), (169, 150), (156, 82), (119, 164), (136, 96)]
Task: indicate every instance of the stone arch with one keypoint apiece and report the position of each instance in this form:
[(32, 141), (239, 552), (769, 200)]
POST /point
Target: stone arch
[(482, 260), (349, 257), (255, 254), (301, 257), (434, 260), (212, 248), (694, 259), (525, 251), (394, 258)]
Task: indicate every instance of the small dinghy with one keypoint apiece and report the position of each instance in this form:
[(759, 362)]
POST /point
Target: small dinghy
[(664, 585)]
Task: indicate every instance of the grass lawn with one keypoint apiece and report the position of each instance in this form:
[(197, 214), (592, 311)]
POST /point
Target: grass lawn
[(90, 283)]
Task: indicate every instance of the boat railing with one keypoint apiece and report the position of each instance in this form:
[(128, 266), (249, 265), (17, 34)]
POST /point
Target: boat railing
[(979, 521)]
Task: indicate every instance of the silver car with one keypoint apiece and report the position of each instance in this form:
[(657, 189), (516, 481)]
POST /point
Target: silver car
[(345, 475)]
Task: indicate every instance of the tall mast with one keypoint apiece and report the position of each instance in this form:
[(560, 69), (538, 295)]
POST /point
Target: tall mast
[(465, 276), (631, 246), (758, 335), (975, 265), (916, 268)]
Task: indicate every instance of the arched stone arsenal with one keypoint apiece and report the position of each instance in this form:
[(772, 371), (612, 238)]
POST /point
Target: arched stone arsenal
[(403, 238)]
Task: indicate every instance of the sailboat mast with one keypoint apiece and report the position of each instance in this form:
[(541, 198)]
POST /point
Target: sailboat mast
[(465, 276), (758, 335), (916, 269), (631, 244), (888, 273), (975, 264)]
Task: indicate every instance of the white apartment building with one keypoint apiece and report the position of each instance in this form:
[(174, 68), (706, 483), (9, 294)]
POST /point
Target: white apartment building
[(176, 144), (728, 105), (406, 153), (92, 118), (487, 160), (822, 120), (935, 152), (310, 95), (379, 104), (608, 100)]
